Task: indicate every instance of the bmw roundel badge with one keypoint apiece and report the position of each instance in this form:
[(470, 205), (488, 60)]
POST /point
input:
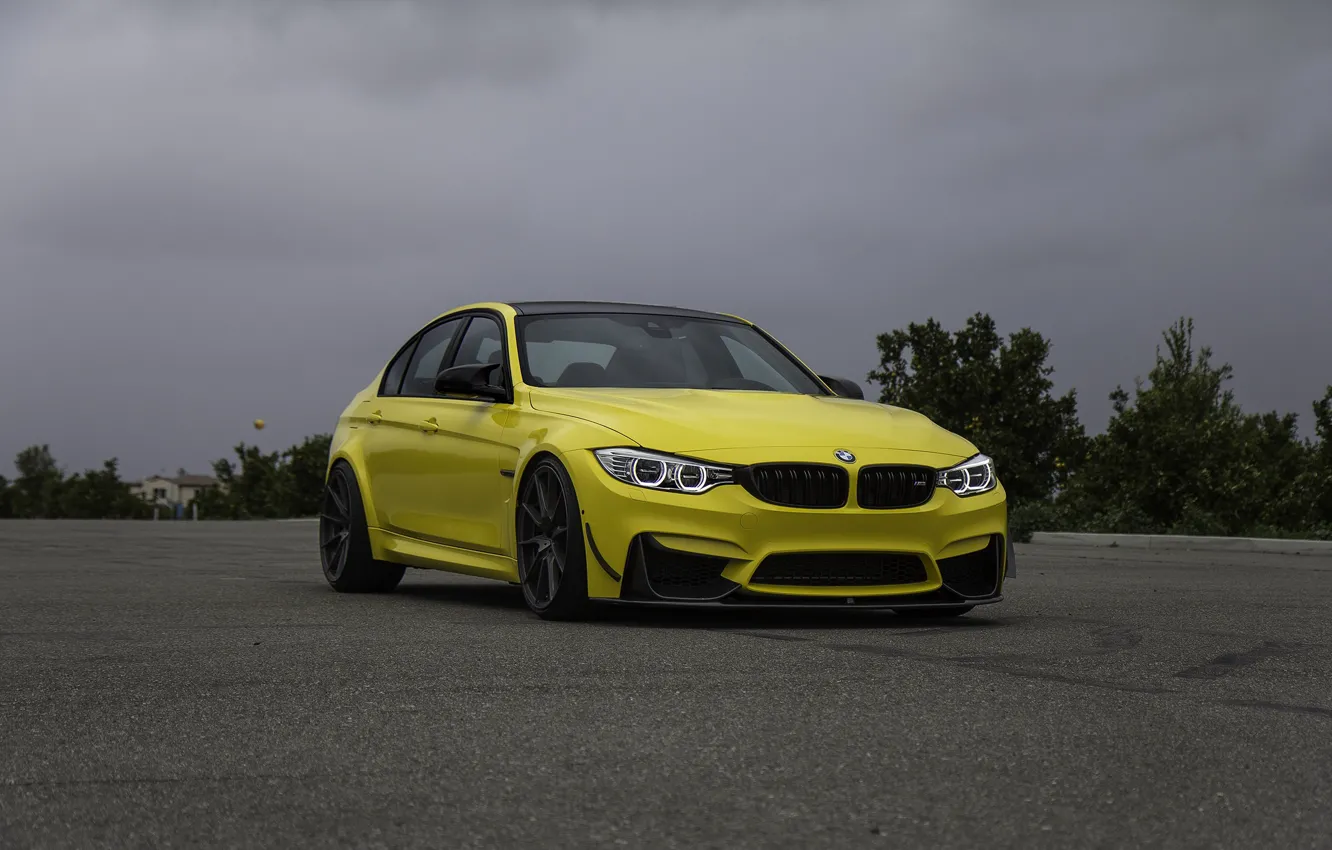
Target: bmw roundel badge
[(844, 456)]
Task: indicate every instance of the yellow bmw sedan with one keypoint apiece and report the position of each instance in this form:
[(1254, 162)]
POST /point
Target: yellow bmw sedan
[(619, 453)]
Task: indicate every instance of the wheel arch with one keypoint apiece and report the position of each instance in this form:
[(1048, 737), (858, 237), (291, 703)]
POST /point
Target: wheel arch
[(349, 453), (553, 435)]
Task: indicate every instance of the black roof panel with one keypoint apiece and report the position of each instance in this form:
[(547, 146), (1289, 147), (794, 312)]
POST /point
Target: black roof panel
[(548, 308)]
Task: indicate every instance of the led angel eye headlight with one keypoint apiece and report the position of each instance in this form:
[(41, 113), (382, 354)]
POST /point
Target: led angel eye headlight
[(647, 472), (691, 477), (969, 478), (655, 471)]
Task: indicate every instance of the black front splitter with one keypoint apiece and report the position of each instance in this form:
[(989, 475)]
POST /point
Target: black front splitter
[(748, 603)]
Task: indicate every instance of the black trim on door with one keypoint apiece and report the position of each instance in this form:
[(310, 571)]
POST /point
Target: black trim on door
[(466, 318)]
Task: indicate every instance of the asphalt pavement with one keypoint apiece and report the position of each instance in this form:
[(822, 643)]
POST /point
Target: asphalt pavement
[(198, 684)]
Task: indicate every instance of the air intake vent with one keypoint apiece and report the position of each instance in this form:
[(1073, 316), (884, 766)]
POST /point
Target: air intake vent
[(976, 574), (675, 575), (840, 569), (884, 487), (798, 485)]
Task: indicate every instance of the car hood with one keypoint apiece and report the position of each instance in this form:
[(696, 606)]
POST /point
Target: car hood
[(687, 420)]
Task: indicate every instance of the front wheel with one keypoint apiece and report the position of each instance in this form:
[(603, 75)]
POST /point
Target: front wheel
[(552, 563)]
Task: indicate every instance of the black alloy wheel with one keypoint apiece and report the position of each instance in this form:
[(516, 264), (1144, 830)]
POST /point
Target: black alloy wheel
[(335, 526), (552, 568), (344, 541)]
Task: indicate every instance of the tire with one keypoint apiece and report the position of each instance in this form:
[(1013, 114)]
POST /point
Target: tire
[(549, 536), (344, 541), (950, 611)]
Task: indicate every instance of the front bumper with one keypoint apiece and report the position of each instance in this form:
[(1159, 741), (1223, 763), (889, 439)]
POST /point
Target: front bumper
[(678, 549)]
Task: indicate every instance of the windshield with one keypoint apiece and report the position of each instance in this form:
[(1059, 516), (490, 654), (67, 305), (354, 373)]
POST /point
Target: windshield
[(644, 351)]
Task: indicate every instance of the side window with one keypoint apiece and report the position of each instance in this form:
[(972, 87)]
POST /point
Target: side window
[(482, 342), (393, 374), (428, 359)]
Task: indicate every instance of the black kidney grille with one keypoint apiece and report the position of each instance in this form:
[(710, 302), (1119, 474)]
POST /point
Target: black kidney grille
[(840, 569), (894, 486), (799, 485)]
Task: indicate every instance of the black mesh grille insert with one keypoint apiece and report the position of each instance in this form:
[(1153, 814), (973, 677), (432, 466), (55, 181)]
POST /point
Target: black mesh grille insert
[(840, 569), (894, 486), (974, 574), (683, 575), (798, 485)]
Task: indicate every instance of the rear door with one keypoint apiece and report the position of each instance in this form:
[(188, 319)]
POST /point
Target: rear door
[(394, 443)]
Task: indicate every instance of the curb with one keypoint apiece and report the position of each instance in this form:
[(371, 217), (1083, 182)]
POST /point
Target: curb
[(1180, 541)]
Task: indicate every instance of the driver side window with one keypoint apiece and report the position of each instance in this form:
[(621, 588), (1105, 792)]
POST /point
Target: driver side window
[(482, 343)]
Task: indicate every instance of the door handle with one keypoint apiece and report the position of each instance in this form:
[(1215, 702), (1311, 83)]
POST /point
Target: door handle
[(430, 426), (374, 418)]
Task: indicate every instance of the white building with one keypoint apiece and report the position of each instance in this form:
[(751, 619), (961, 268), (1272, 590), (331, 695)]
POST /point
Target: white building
[(180, 490)]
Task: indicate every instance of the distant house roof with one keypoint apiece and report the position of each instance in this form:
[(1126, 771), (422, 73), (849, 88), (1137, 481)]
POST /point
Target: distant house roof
[(186, 480), (194, 480)]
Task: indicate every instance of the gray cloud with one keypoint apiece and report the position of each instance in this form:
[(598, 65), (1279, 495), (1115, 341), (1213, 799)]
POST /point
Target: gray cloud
[(212, 212)]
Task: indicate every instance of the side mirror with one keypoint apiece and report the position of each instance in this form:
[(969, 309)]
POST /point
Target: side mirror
[(843, 387), (469, 380)]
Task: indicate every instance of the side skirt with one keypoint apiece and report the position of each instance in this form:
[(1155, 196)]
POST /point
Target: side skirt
[(420, 554)]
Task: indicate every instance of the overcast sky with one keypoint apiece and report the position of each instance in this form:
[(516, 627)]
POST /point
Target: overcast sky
[(211, 212)]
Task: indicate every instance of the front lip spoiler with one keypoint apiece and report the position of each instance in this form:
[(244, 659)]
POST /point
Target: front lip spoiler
[(808, 604)]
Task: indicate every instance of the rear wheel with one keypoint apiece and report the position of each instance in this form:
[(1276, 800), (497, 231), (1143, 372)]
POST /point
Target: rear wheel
[(552, 563), (344, 540)]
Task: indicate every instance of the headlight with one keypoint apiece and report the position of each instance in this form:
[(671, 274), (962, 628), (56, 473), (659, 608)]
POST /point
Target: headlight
[(663, 472), (970, 477)]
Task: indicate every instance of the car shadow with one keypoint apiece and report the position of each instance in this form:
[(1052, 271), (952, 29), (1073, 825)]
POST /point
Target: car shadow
[(491, 594), (507, 597)]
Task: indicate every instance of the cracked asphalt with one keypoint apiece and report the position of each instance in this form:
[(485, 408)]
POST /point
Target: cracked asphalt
[(198, 684)]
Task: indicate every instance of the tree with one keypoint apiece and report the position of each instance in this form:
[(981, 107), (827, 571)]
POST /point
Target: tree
[(249, 490), (100, 494), (36, 491), (996, 393), (306, 467), (1315, 482), (1181, 457), (6, 498), (268, 485)]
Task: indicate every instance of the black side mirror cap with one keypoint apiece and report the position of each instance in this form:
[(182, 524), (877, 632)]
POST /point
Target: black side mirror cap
[(843, 387), (469, 380)]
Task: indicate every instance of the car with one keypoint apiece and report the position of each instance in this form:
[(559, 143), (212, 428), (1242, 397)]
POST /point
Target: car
[(629, 454)]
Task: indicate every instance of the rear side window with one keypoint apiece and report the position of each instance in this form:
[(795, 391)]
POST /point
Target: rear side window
[(393, 374), (428, 359)]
